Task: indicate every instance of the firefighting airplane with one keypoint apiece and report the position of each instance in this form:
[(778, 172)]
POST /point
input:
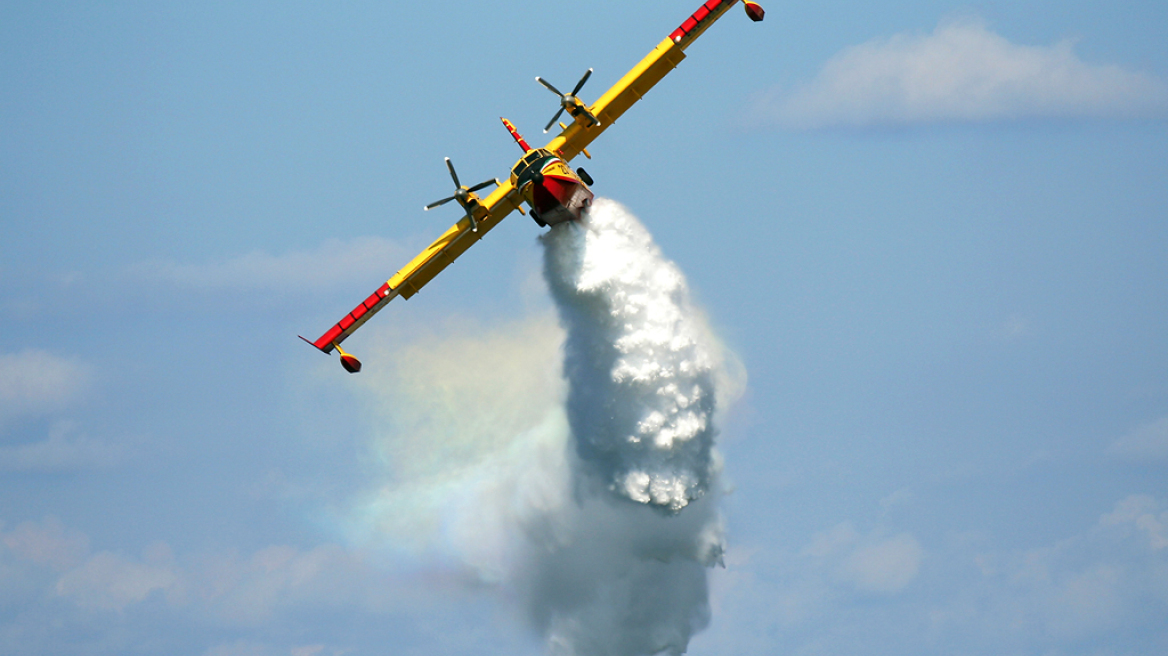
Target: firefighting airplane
[(542, 178)]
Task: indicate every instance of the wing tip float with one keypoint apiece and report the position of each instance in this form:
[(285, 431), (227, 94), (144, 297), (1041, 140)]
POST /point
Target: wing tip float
[(754, 11), (555, 192), (349, 362)]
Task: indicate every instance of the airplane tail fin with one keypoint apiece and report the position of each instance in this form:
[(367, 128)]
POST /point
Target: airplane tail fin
[(515, 133)]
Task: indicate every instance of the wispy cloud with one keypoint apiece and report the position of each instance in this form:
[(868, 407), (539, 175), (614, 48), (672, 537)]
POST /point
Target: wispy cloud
[(874, 563), (1103, 584), (225, 588), (36, 382), (961, 73), (39, 384), (65, 449), (108, 581), (47, 542), (1142, 512), (1148, 442), (333, 262)]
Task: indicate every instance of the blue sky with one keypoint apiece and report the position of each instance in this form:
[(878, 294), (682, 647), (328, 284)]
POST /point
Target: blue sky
[(932, 235)]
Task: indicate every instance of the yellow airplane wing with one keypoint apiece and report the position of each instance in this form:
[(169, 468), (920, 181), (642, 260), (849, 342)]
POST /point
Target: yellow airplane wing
[(422, 269), (489, 211), (637, 82), (454, 242)]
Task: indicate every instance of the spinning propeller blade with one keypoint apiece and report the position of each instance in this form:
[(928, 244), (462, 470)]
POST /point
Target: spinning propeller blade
[(568, 101), (549, 85), (462, 195), (554, 119), (580, 84), (453, 175)]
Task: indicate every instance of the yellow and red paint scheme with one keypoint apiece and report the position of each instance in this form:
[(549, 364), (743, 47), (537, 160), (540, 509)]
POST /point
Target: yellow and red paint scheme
[(560, 196), (705, 16), (555, 192)]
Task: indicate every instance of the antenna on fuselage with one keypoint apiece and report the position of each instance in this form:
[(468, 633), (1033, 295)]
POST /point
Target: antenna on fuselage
[(515, 134)]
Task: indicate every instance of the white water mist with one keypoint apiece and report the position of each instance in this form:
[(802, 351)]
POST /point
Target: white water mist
[(626, 572), (591, 497), (641, 377)]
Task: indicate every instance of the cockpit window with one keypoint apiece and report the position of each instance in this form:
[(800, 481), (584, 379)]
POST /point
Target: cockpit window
[(527, 167)]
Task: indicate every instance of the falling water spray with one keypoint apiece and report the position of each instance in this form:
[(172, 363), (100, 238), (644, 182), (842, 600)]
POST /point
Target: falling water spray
[(591, 496), (625, 573)]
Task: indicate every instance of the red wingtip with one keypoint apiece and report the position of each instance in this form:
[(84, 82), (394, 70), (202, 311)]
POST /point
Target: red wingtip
[(312, 344), (754, 10)]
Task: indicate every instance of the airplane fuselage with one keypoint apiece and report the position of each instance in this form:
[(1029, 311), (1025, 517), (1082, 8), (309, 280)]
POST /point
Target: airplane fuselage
[(553, 190)]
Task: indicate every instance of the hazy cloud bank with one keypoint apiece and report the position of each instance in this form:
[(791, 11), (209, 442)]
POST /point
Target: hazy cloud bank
[(1105, 585), (961, 73), (51, 573)]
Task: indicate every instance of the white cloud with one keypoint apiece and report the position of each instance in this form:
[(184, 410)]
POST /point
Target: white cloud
[(886, 566), (868, 563), (226, 589), (62, 591), (839, 537), (1142, 512), (334, 262), (1093, 583), (47, 542), (961, 73), (62, 450), (241, 648), (1106, 584), (276, 579), (36, 382), (108, 581), (310, 650), (1148, 442)]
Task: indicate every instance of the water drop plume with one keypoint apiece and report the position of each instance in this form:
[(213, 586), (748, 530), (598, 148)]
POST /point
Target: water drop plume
[(638, 364), (587, 487), (626, 571)]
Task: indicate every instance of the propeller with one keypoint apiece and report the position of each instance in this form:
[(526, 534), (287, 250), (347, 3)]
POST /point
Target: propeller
[(462, 195), (568, 101)]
